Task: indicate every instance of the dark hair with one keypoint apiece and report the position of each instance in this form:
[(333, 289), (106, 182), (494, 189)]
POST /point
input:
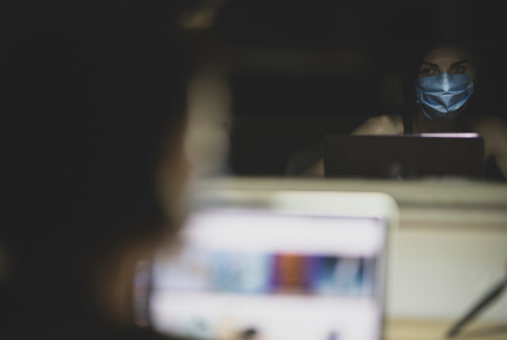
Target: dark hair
[(398, 92), (89, 101)]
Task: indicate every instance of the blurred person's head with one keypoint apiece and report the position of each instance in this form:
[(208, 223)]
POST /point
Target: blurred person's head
[(97, 104)]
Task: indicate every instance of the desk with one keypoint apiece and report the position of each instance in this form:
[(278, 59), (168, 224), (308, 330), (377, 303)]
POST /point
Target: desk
[(449, 250), (407, 329)]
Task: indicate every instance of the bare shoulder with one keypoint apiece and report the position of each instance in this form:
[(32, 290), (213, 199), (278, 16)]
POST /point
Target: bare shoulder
[(381, 125), (487, 125)]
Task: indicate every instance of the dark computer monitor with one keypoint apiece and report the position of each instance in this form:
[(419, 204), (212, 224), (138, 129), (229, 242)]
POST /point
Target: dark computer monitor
[(404, 156)]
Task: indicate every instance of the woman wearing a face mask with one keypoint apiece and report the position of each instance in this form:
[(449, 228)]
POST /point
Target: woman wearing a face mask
[(439, 100)]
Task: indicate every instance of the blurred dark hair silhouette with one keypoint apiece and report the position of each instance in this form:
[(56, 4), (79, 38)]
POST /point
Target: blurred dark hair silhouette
[(91, 91)]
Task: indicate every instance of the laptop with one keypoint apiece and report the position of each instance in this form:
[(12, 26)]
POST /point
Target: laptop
[(276, 265), (404, 156)]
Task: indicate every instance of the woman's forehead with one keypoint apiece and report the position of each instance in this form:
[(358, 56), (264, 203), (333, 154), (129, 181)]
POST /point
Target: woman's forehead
[(446, 54)]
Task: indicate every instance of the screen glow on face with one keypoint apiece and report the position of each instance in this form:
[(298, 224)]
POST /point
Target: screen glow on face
[(260, 275)]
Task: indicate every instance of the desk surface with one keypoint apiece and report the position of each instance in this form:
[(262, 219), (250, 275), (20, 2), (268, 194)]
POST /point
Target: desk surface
[(405, 329), (449, 249)]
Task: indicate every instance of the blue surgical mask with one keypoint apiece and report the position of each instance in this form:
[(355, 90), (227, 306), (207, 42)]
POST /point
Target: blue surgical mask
[(444, 96)]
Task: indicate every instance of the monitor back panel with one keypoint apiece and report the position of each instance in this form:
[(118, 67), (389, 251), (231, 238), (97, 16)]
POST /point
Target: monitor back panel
[(404, 157)]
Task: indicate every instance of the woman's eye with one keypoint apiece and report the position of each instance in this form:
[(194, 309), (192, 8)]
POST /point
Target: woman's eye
[(459, 69), (428, 71)]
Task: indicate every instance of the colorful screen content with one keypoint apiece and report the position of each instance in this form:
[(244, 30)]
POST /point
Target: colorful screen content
[(246, 275)]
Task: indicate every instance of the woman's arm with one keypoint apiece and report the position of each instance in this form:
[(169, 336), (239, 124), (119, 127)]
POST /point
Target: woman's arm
[(494, 132), (380, 125)]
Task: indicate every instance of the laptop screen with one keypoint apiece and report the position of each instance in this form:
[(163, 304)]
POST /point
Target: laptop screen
[(259, 274)]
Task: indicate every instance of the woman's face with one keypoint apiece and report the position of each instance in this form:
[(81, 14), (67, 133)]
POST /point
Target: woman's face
[(445, 59)]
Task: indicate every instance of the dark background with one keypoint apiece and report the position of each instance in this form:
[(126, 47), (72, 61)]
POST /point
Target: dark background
[(276, 115), (278, 109)]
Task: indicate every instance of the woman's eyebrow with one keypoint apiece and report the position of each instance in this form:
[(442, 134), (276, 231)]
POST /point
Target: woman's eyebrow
[(430, 64), (459, 62)]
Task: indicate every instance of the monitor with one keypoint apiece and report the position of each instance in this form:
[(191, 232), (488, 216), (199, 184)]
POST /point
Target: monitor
[(301, 265), (404, 156)]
